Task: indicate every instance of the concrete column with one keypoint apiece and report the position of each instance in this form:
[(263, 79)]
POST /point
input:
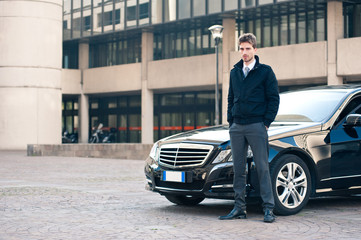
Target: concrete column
[(335, 31), (30, 73), (83, 118), (147, 95), (83, 99), (229, 25)]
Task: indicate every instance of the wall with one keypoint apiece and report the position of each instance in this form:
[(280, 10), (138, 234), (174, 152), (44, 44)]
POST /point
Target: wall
[(189, 72), (134, 151), (70, 81), (295, 64), (349, 57), (120, 78)]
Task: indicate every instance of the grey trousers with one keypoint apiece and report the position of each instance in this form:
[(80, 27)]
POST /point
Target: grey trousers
[(256, 136)]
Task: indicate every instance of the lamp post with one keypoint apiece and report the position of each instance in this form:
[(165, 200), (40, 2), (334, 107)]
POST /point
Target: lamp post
[(216, 31)]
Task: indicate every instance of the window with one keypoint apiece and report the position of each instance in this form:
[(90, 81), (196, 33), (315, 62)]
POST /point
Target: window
[(121, 113), (119, 10), (275, 31), (258, 31), (97, 17), (143, 10), (156, 11), (86, 23), (76, 5), (131, 13), (100, 20), (67, 7), (214, 6), (184, 9), (170, 10), (117, 16), (192, 43), (70, 55), (183, 43), (230, 5), (76, 26), (301, 24), (321, 25), (302, 27), (115, 53), (86, 4), (262, 2), (177, 112), (199, 7), (134, 128), (266, 36), (112, 103), (311, 26), (108, 18), (248, 3), (292, 29), (284, 30), (171, 100), (179, 45), (70, 120)]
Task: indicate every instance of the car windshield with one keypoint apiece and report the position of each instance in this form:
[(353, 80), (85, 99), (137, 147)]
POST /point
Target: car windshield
[(308, 106)]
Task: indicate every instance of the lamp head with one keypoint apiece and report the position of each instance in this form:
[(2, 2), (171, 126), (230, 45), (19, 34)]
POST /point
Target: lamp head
[(216, 31)]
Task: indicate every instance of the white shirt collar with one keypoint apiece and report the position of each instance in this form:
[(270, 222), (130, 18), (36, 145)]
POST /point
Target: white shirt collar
[(250, 66)]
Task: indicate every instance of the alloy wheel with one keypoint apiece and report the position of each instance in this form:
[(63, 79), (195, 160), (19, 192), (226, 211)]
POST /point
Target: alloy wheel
[(291, 185)]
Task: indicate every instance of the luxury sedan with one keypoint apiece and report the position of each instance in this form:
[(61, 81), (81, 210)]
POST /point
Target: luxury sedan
[(315, 150)]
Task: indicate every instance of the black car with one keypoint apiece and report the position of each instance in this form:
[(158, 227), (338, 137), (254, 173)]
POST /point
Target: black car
[(315, 150)]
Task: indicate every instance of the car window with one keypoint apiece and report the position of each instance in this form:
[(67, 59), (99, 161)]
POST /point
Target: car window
[(308, 106), (354, 106)]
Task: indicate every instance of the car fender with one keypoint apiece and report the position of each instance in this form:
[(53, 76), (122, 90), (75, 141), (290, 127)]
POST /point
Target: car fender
[(301, 153)]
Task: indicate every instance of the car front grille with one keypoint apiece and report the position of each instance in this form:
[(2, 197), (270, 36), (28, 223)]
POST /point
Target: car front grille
[(178, 155)]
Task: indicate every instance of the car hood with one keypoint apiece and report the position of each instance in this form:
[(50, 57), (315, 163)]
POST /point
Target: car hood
[(216, 134), (287, 129), (220, 134)]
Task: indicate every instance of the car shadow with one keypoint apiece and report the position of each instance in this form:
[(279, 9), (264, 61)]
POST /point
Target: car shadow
[(212, 207), (324, 203)]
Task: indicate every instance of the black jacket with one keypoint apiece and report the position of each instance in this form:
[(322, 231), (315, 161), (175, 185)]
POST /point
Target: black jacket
[(254, 98)]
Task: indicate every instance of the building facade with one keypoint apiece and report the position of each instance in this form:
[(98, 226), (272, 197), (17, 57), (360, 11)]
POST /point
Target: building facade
[(148, 67)]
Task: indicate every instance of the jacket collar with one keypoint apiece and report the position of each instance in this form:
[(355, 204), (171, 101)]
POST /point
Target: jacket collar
[(240, 63)]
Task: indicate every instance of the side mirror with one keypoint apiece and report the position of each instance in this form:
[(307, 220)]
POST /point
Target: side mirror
[(353, 120)]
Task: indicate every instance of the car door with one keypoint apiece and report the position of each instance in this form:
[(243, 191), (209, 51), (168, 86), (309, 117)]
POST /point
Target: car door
[(346, 150)]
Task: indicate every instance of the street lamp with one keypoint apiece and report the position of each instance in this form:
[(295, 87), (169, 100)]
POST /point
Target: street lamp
[(216, 31)]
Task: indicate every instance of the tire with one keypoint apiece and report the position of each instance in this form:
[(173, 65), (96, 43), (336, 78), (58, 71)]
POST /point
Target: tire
[(184, 200), (291, 184)]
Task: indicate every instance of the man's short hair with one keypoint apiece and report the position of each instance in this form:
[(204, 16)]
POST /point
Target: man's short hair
[(248, 37)]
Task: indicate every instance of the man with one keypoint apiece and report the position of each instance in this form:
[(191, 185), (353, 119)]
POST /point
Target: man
[(253, 102)]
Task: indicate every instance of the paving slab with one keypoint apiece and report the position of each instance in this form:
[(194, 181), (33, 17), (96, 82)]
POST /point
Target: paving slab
[(96, 198)]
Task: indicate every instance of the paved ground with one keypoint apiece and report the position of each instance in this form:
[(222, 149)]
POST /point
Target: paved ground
[(83, 198)]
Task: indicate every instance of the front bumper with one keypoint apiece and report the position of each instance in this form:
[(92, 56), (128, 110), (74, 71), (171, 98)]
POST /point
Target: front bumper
[(212, 181)]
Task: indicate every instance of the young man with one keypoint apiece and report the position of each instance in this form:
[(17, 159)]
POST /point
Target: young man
[(253, 102)]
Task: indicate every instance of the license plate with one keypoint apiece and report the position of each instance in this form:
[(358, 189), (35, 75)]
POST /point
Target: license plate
[(172, 176)]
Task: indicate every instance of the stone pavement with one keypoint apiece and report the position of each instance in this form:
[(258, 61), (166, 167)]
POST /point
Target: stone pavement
[(92, 198)]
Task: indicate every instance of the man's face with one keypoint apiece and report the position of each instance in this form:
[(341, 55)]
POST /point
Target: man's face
[(247, 51)]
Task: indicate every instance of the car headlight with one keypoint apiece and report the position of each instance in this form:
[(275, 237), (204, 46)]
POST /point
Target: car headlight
[(154, 152), (222, 156), (249, 154)]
